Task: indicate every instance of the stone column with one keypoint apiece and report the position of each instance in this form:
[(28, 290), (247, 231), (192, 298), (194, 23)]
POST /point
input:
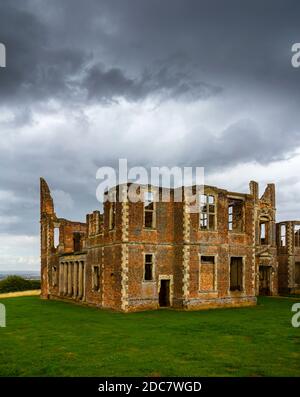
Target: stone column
[(65, 278), (59, 278), (75, 280), (70, 278), (80, 283), (84, 280)]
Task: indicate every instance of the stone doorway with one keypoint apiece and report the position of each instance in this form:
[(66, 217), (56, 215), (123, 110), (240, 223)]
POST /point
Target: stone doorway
[(164, 293), (264, 280)]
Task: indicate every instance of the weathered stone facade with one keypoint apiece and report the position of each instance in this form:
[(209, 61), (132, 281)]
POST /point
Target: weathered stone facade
[(288, 241), (138, 256)]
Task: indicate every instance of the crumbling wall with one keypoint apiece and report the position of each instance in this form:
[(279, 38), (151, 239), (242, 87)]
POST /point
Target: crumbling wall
[(288, 256), (51, 251), (265, 238)]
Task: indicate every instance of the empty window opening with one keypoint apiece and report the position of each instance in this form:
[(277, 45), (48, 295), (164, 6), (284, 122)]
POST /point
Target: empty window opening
[(236, 274), (56, 237), (235, 215), (282, 235), (77, 242), (208, 259), (96, 278), (148, 273), (112, 215), (149, 219), (207, 212), (297, 235), (230, 217), (263, 233)]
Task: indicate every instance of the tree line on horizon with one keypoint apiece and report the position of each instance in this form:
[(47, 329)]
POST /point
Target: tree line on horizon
[(15, 283)]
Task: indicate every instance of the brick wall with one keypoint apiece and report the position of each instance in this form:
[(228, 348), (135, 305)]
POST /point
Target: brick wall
[(177, 244)]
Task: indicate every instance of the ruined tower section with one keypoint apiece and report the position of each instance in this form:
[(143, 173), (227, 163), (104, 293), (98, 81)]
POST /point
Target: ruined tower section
[(47, 219), (64, 271), (266, 263), (288, 242)]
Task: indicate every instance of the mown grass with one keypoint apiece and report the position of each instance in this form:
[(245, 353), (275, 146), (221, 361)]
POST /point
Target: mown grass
[(50, 338)]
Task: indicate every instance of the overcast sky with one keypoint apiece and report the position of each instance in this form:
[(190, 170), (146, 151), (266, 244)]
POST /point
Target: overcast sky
[(174, 83)]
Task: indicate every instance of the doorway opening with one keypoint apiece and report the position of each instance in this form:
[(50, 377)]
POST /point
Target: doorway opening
[(164, 293), (264, 280)]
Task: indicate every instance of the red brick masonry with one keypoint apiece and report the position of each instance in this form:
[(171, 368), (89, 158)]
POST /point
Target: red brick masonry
[(128, 258)]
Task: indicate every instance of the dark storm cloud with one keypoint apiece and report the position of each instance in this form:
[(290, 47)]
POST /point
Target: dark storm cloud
[(133, 49), (107, 85), (35, 70), (43, 65)]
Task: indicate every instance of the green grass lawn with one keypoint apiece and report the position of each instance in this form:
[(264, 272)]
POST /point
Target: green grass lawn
[(49, 338)]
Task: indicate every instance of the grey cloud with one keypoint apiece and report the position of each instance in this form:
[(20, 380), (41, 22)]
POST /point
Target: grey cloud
[(205, 46), (40, 68), (232, 40), (108, 85), (35, 70), (241, 142), (71, 168)]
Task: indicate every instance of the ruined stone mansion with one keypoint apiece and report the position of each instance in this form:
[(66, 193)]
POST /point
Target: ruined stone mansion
[(152, 254)]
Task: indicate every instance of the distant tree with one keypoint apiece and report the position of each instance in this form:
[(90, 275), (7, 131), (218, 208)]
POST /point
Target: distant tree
[(35, 284), (17, 283)]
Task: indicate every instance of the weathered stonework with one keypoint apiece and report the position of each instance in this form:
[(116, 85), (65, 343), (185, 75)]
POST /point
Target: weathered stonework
[(215, 258), (124, 260), (186, 253), (288, 242)]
